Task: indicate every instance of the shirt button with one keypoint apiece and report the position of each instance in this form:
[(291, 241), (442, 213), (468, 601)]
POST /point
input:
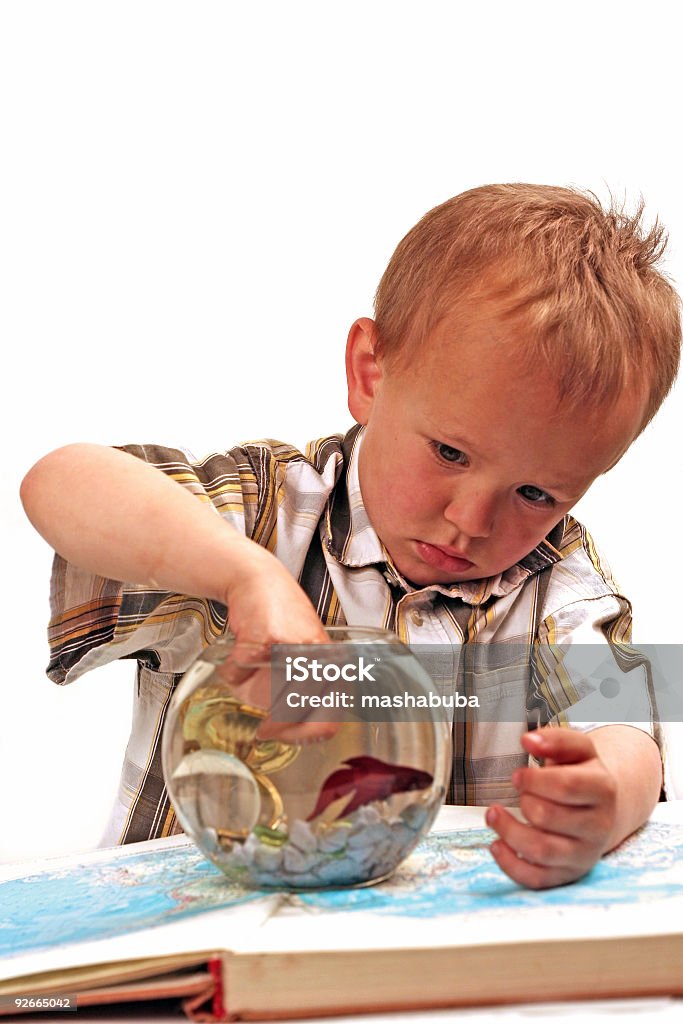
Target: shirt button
[(417, 618)]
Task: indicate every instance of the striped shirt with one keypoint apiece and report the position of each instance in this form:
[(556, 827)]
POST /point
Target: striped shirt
[(307, 509)]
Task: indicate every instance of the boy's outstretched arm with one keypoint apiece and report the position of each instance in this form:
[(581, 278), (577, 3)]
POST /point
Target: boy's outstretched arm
[(112, 514), (593, 790)]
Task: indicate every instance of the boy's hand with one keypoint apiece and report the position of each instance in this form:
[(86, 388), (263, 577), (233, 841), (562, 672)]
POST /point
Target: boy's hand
[(267, 606), (265, 603), (570, 805)]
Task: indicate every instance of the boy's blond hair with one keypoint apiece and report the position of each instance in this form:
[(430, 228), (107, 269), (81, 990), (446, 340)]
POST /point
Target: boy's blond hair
[(580, 280)]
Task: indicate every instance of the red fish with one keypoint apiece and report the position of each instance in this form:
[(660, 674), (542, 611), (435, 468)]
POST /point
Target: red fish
[(371, 779)]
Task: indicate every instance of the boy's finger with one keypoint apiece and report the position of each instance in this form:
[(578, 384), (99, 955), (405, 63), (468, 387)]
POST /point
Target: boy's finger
[(562, 746), (249, 676), (533, 876), (576, 785), (546, 849), (583, 823), (297, 733)]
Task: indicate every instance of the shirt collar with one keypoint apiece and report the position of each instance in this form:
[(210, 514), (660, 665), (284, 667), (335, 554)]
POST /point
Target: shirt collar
[(350, 536), (352, 541)]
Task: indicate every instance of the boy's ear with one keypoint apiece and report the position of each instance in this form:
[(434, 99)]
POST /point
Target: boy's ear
[(363, 373)]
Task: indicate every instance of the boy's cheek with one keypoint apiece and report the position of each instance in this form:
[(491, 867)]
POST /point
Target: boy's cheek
[(403, 502)]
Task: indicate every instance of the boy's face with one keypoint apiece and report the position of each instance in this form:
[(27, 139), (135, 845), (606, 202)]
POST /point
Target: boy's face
[(467, 460)]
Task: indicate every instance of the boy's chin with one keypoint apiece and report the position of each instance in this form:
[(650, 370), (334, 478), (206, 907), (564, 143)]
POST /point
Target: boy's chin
[(426, 576)]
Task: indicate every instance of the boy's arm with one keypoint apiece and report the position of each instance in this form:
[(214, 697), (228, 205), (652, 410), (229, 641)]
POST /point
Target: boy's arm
[(593, 790), (112, 514)]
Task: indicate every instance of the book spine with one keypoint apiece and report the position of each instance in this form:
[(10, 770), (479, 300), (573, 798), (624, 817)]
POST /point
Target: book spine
[(208, 1007), (217, 1004)]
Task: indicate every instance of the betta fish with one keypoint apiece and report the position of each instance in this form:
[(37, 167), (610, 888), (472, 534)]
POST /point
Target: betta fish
[(368, 779)]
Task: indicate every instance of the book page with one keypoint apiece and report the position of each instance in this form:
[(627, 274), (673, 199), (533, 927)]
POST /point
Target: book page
[(142, 900)]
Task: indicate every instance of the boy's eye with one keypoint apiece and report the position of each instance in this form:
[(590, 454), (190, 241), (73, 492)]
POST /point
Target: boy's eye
[(449, 454), (535, 495)]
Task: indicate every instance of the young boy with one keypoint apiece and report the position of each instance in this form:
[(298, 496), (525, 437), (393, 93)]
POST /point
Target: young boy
[(522, 340)]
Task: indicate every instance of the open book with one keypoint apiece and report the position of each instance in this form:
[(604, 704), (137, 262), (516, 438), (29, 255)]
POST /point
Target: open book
[(449, 929)]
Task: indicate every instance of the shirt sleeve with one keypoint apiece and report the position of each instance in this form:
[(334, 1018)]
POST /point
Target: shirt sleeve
[(587, 674), (585, 669), (96, 620)]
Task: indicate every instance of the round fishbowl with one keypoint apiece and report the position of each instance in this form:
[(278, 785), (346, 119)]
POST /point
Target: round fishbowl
[(316, 766)]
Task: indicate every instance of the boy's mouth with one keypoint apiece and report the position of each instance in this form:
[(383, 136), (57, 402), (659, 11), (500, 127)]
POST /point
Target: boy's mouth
[(442, 558)]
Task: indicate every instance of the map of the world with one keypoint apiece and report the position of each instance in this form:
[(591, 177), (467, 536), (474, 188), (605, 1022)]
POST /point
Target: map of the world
[(448, 873)]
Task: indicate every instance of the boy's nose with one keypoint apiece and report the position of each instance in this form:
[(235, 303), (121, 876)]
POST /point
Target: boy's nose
[(473, 515)]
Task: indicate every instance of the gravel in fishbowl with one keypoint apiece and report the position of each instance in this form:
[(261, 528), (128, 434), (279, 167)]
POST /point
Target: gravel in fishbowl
[(367, 843)]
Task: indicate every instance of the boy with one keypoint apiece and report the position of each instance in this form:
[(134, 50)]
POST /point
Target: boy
[(522, 340)]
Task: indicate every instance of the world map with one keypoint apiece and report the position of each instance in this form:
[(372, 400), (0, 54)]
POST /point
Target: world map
[(448, 873)]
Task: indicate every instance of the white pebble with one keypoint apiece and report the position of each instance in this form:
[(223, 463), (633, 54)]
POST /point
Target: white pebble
[(208, 841), (266, 878), (363, 817), (370, 835), (251, 845), (415, 815), (301, 836), (361, 856), (236, 857), (268, 858), (332, 839), (296, 861), (339, 871), (402, 834), (301, 880)]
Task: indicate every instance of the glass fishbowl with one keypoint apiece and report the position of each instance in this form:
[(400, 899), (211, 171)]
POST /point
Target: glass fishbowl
[(306, 769)]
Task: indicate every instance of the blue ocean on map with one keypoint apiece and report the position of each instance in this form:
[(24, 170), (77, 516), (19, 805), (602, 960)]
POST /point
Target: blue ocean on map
[(107, 898), (448, 873)]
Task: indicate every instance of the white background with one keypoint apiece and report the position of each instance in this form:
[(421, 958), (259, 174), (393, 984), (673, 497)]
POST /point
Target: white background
[(189, 191)]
